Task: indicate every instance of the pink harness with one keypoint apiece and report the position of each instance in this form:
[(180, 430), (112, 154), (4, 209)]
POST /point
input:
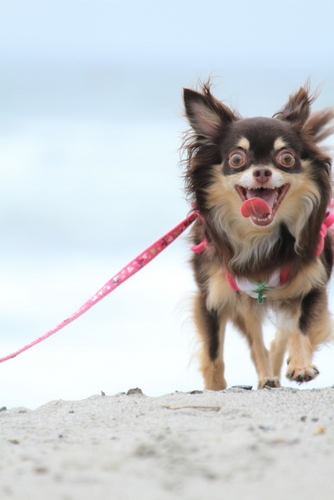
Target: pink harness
[(278, 278)]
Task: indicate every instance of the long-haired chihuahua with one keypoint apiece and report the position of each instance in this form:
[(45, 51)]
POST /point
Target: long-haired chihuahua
[(262, 189)]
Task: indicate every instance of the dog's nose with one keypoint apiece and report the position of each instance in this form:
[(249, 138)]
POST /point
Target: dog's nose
[(262, 174)]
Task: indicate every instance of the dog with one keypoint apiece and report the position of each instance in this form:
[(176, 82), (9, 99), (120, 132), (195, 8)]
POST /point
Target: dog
[(261, 188)]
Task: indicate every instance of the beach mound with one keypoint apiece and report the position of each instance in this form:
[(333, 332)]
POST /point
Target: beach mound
[(237, 444)]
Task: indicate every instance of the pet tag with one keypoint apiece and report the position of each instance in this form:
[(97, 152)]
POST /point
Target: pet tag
[(255, 207)]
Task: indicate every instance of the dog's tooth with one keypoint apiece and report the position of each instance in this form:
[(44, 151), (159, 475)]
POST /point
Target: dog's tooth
[(262, 220), (276, 197), (258, 219)]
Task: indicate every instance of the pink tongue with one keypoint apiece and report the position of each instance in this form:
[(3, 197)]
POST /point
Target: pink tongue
[(255, 207)]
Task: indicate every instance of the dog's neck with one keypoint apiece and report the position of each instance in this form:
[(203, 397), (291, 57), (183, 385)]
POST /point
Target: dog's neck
[(255, 256)]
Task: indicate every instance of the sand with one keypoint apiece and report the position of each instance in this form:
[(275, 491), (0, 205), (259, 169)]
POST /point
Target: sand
[(235, 444)]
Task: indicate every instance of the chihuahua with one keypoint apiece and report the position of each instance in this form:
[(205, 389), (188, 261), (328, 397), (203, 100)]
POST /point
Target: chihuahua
[(261, 188)]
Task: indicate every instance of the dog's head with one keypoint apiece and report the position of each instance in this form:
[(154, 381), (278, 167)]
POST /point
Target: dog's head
[(251, 176)]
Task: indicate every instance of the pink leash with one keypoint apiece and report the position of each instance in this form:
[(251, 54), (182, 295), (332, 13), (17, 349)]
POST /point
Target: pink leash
[(138, 263), (144, 258)]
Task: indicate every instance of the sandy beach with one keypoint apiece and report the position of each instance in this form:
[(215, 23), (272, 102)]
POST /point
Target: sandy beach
[(237, 444)]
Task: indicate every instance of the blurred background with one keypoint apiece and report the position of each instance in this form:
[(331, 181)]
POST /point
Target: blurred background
[(90, 122)]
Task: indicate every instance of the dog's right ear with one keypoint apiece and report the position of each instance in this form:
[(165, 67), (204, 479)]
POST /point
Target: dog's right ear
[(207, 116)]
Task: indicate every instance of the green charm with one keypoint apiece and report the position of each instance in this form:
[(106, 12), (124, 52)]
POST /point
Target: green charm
[(261, 289)]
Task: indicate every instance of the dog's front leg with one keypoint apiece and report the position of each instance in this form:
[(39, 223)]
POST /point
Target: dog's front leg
[(249, 322), (300, 368), (287, 323), (313, 328), (211, 329)]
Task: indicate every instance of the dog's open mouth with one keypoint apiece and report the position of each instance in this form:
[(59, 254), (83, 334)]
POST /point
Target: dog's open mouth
[(261, 204)]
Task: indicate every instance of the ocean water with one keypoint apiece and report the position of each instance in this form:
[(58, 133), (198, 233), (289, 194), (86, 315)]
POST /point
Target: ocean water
[(89, 179)]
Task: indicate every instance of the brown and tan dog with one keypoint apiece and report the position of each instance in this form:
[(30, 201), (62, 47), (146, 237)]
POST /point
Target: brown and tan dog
[(262, 187)]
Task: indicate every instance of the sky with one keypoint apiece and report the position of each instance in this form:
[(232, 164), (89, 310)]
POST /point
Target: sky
[(90, 127)]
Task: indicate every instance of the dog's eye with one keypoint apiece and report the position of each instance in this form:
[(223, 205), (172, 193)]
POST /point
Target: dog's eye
[(237, 159), (286, 159)]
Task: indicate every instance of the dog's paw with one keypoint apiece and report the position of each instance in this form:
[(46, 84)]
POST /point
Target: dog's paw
[(301, 374), (269, 382)]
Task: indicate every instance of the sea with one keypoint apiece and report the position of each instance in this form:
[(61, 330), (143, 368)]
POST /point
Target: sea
[(90, 177)]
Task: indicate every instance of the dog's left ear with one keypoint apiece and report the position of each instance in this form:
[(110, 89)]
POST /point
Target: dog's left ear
[(317, 126), (320, 125), (297, 109), (207, 116)]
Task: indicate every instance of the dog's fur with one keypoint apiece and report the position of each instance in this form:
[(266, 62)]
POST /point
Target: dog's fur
[(255, 249)]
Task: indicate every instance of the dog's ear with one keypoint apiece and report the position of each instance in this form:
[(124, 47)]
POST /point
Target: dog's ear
[(207, 116), (297, 109), (320, 125), (317, 126)]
